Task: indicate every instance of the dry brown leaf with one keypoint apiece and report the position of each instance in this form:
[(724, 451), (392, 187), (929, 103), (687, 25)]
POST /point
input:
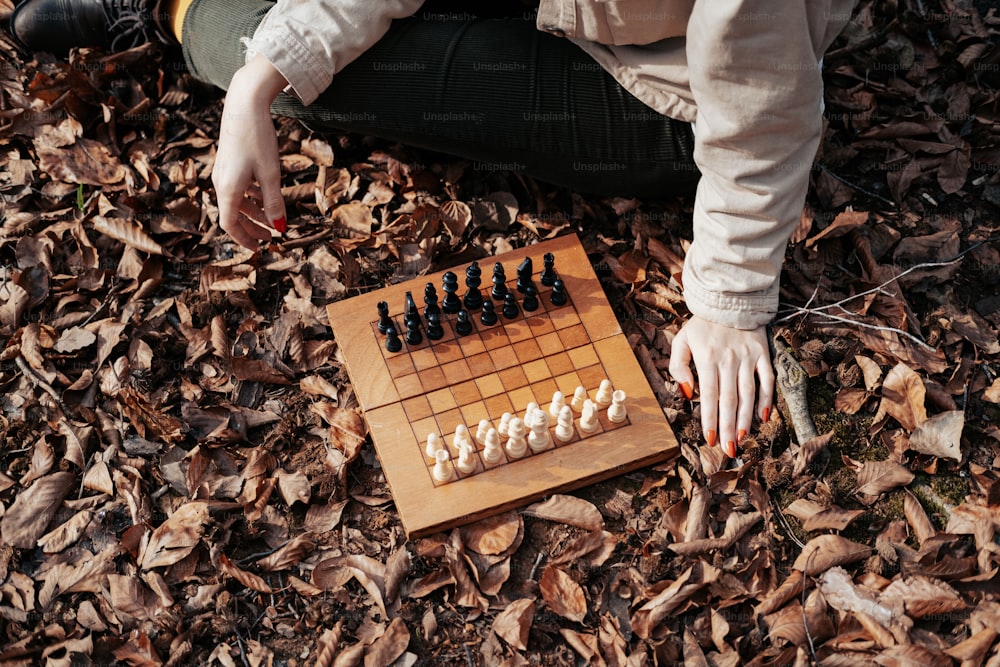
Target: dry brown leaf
[(319, 150), (917, 518), (316, 385), (562, 594), (248, 579), (973, 650), (293, 553), (493, 535), (257, 370), (293, 486), (28, 516), (66, 534), (877, 477), (73, 339), (42, 460), (176, 537), (815, 516), (842, 224), (826, 551), (128, 233), (326, 645), (384, 651), (903, 397), (737, 524), (797, 626), (871, 371), (940, 435), (456, 216), (569, 510), (87, 161), (324, 518), (922, 596), (673, 597), (842, 594), (513, 624), (850, 400)]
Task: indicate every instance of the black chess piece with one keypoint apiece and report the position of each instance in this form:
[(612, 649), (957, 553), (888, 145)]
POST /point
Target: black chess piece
[(530, 302), (558, 297), (510, 309), (434, 329), (524, 271), (413, 335), (383, 317), (548, 277), (489, 316), (499, 290), (451, 303), (410, 312), (473, 279), (392, 341), (463, 325), (431, 299)]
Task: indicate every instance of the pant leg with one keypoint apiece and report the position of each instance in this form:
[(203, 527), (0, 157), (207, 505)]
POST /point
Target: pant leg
[(495, 91)]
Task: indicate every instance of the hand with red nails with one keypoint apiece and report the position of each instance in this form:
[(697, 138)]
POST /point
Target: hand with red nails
[(247, 171), (734, 373)]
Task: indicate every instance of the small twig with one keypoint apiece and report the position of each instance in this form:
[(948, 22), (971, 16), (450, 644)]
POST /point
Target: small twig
[(29, 373), (854, 186), (805, 625), (792, 383), (866, 325), (534, 568), (253, 557)]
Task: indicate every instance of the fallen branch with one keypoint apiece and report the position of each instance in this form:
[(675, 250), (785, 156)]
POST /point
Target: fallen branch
[(792, 381)]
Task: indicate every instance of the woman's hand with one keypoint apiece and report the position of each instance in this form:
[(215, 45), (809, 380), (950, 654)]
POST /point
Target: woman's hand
[(248, 152), (729, 364)]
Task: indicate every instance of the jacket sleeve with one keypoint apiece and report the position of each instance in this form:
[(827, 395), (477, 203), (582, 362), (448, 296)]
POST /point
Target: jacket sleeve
[(757, 85), (309, 42)]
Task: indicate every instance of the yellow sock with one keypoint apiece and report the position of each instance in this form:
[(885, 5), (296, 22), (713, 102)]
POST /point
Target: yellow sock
[(177, 10)]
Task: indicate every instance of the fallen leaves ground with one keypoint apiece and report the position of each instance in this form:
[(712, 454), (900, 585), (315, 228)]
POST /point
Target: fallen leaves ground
[(185, 479)]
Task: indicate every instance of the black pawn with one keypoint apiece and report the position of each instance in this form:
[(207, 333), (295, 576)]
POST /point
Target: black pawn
[(473, 279), (383, 317), (451, 303), (489, 316), (413, 335), (499, 282), (510, 309), (548, 277), (530, 303), (431, 299), (463, 325), (410, 313), (434, 329), (392, 341), (524, 271), (558, 296)]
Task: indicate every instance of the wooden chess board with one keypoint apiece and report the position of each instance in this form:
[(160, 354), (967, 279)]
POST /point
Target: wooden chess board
[(436, 385)]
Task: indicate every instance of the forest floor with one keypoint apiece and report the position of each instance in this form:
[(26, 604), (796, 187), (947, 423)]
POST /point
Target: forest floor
[(185, 478)]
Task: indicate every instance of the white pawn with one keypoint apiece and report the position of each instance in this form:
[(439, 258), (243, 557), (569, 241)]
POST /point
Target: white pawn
[(482, 430), (517, 446), (579, 396), (603, 395), (467, 461), (588, 418), (617, 413), (557, 404), (539, 439), (492, 451), (529, 413), (434, 443), (443, 472), (564, 425), (504, 423)]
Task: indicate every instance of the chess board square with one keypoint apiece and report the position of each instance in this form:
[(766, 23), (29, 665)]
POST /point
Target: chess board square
[(423, 358), (481, 364), (447, 328), (574, 336), (447, 351), (446, 423), (527, 350), (559, 364), (494, 337), (568, 383), (433, 378), (421, 429), (417, 408), (550, 344), (466, 392), (519, 399), (540, 325), (544, 390), (583, 356), (409, 385), (442, 400), (513, 377), (400, 365), (504, 357), (474, 412), (590, 377), (518, 330), (564, 317), (490, 385), (457, 371), (472, 345), (497, 405), (536, 370)]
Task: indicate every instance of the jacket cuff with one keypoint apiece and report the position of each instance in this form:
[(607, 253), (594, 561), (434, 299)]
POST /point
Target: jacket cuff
[(293, 60), (739, 311)]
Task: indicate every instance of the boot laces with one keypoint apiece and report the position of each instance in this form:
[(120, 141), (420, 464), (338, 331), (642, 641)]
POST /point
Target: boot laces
[(129, 23)]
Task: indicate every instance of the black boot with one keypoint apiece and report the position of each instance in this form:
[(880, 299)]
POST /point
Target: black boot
[(115, 25)]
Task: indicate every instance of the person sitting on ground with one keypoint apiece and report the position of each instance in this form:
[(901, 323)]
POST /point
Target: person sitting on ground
[(644, 98)]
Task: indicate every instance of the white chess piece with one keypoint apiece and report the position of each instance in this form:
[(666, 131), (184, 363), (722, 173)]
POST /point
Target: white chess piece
[(617, 413), (603, 395), (557, 404), (481, 430), (443, 472), (462, 437), (579, 396), (517, 446), (492, 451), (588, 418), (529, 413), (564, 425), (539, 439), (504, 423), (467, 461), (434, 443)]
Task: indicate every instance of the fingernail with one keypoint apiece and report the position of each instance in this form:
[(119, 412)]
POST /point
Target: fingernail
[(711, 438), (742, 434), (686, 388), (731, 449), (280, 225), (767, 413)]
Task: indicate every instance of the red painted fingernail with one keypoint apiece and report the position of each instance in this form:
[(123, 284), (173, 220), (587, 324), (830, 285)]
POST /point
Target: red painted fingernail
[(711, 438), (688, 392), (280, 225), (742, 434), (731, 449), (767, 413)]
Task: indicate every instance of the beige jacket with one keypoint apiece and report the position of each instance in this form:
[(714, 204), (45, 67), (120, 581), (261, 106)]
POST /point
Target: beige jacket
[(746, 72)]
